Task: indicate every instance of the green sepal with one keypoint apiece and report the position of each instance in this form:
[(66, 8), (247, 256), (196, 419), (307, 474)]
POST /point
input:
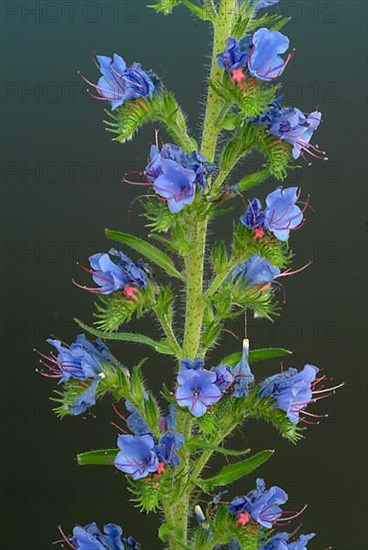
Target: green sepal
[(233, 472), (256, 355), (101, 457), (148, 250), (163, 107)]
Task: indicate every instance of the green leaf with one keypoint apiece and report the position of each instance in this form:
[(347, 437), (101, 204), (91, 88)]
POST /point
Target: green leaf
[(256, 355), (160, 347), (148, 250), (102, 457), (197, 443), (236, 471), (164, 6)]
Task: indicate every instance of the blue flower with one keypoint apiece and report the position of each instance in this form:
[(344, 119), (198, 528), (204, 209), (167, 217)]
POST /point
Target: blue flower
[(255, 271), (85, 400), (224, 377), (291, 390), (262, 505), (91, 538), (121, 275), (136, 456), (176, 185), (174, 175), (135, 421), (280, 542), (282, 214), (254, 217), (170, 419), (292, 126), (196, 364), (264, 61), (236, 53), (197, 390), (120, 83), (242, 373), (169, 443), (200, 166), (81, 361)]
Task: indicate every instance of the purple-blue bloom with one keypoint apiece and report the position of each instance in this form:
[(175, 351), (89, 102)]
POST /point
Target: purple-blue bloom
[(174, 175), (225, 377), (169, 443), (116, 276), (196, 364), (255, 271), (197, 390), (176, 185), (264, 61), (280, 542), (91, 538), (292, 126), (262, 505), (135, 422), (85, 400), (253, 217), (291, 390), (242, 373), (136, 457), (120, 83), (81, 361), (236, 53), (282, 214)]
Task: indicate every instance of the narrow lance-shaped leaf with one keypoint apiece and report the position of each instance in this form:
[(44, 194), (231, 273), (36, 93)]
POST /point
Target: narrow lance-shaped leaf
[(102, 457), (236, 471), (161, 347), (197, 443), (148, 250)]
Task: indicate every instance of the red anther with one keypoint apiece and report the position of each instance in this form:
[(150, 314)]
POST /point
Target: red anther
[(258, 233), (243, 519), (161, 468), (237, 76), (131, 292)]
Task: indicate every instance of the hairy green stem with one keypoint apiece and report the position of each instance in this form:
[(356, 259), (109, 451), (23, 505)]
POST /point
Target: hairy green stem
[(194, 266)]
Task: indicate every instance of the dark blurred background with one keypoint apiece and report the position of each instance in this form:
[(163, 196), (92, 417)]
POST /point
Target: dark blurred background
[(61, 185)]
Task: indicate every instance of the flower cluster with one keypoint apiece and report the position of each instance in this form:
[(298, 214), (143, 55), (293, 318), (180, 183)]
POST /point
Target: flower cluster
[(260, 505), (259, 53), (291, 125), (280, 216), (90, 537), (175, 175), (120, 83), (81, 362), (142, 453), (115, 272)]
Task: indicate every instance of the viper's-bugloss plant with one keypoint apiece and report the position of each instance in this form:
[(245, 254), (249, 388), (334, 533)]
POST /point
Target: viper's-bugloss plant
[(191, 287)]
